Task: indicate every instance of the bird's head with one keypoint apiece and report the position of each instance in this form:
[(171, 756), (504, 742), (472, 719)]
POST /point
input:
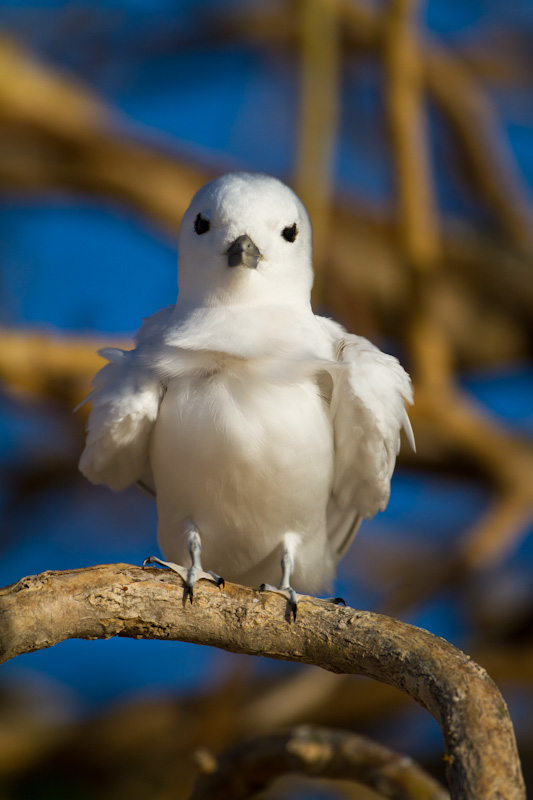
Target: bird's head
[(245, 240)]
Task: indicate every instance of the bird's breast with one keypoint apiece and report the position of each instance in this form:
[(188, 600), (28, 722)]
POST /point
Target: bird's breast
[(235, 439)]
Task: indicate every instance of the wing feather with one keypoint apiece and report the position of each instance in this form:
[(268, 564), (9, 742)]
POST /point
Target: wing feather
[(368, 400), (125, 403)]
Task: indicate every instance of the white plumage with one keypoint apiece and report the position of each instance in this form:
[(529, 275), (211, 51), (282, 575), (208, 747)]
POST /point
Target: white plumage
[(265, 429)]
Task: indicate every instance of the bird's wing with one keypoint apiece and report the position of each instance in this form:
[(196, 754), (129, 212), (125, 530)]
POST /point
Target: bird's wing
[(343, 524), (368, 397), (125, 402)]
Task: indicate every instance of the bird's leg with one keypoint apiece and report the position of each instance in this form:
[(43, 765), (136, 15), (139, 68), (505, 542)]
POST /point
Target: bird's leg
[(195, 571), (290, 543), (287, 567)]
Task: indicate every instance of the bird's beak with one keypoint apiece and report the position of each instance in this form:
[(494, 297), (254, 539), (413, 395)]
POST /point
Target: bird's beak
[(243, 251)]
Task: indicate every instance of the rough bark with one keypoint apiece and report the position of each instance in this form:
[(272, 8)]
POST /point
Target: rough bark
[(121, 600)]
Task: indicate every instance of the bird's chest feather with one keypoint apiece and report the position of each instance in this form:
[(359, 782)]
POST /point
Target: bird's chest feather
[(231, 425)]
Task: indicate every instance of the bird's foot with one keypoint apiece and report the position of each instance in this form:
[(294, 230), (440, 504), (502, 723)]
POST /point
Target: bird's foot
[(189, 576), (293, 597), (285, 591)]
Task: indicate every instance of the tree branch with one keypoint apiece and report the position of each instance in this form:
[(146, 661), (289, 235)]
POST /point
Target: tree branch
[(318, 752), (44, 363), (56, 133), (121, 600), (318, 43)]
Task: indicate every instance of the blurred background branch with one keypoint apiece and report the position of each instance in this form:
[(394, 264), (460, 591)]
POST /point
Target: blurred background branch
[(320, 86), (57, 135), (318, 752)]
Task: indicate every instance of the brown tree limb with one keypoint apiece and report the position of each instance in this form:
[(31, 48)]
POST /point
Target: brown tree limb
[(419, 240), (319, 72), (316, 752), (418, 225), (478, 134), (56, 134), (508, 461), (45, 363), (121, 600)]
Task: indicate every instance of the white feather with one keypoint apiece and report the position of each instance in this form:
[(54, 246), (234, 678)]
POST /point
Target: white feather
[(125, 403), (368, 409)]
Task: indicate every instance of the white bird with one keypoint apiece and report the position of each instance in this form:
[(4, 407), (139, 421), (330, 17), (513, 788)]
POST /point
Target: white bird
[(266, 432)]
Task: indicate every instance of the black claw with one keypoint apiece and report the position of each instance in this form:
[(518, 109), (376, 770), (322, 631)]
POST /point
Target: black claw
[(339, 601), (189, 593), (262, 587), (294, 609), (221, 583)]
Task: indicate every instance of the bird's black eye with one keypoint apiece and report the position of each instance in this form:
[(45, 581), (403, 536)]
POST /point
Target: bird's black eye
[(290, 232), (201, 224)]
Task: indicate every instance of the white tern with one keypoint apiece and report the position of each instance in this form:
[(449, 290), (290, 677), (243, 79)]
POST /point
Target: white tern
[(266, 432)]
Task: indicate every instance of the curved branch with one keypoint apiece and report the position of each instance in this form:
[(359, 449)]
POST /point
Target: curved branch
[(121, 600), (320, 753)]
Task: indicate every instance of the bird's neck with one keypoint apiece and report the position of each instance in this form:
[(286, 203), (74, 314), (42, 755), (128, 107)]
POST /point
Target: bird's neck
[(231, 302)]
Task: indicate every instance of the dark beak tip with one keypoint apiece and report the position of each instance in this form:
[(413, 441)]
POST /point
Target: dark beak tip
[(234, 259)]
